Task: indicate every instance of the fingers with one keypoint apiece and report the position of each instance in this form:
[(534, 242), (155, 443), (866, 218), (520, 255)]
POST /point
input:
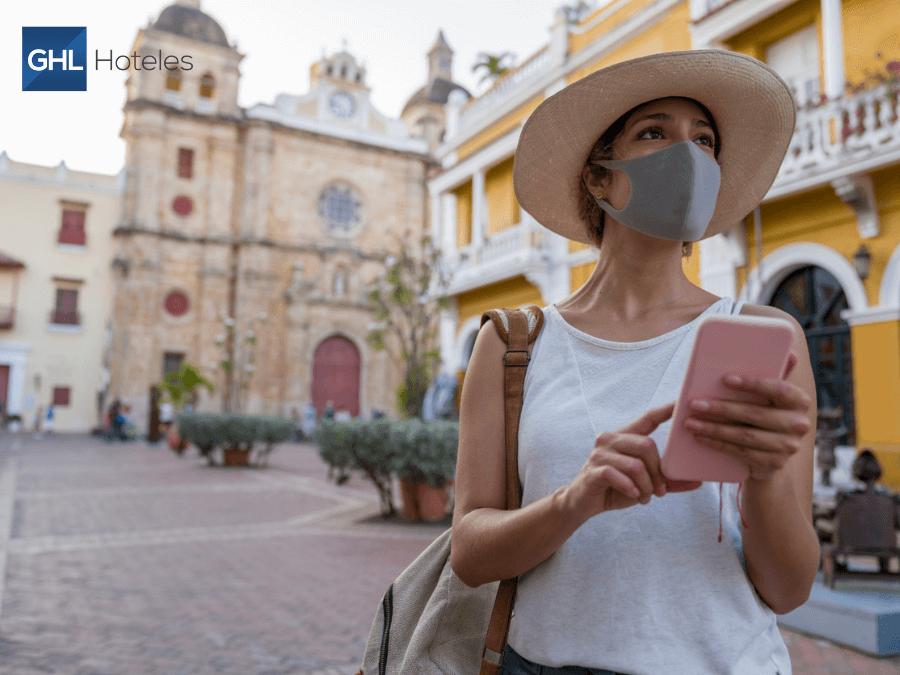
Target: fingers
[(746, 438), (781, 393), (642, 450), (646, 423), (761, 462), (635, 470), (618, 480), (763, 417)]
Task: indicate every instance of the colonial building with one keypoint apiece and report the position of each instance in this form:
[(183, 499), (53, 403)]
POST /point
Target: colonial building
[(272, 219), (824, 244), (55, 293)]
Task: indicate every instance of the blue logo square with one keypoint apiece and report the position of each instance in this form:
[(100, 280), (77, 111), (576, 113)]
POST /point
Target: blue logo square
[(54, 59)]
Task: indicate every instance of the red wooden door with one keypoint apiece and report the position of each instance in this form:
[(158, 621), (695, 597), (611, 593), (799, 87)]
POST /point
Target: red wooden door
[(336, 375), (4, 388)]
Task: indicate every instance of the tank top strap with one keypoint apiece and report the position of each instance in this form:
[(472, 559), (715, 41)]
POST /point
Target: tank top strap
[(736, 306)]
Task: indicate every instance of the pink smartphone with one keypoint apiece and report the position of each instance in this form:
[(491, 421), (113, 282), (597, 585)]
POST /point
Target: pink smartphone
[(752, 346)]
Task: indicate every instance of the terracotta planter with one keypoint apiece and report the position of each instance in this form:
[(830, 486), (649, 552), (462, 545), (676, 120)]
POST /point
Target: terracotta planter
[(235, 457), (175, 441), (432, 502), (410, 500)]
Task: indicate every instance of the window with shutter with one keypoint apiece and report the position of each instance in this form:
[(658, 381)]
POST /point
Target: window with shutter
[(185, 163), (61, 396), (71, 230), (66, 310)]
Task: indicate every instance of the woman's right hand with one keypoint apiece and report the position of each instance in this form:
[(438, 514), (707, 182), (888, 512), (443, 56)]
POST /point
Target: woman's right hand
[(624, 469)]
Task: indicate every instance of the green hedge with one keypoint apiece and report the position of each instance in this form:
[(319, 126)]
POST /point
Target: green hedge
[(209, 431), (418, 451)]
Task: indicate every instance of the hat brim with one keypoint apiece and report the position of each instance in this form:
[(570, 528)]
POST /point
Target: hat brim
[(751, 104)]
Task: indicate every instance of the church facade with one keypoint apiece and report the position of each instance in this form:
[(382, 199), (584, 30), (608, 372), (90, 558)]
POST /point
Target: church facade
[(250, 236)]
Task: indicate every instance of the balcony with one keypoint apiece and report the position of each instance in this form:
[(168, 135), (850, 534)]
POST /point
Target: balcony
[(715, 20), (704, 8), (7, 317), (524, 248), (512, 83), (847, 135), (65, 317)]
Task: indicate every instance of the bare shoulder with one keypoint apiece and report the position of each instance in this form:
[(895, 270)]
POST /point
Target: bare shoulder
[(480, 464), (481, 457)]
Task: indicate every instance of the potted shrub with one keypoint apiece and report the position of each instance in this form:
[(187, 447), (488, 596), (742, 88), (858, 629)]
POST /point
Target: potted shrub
[(363, 445), (425, 463), (438, 441), (403, 439), (238, 434), (272, 430), (241, 440), (201, 429), (177, 388)]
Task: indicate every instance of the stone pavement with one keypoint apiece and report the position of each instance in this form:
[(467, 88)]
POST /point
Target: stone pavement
[(123, 558)]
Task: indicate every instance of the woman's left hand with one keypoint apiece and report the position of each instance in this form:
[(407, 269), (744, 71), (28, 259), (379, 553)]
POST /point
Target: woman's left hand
[(764, 436)]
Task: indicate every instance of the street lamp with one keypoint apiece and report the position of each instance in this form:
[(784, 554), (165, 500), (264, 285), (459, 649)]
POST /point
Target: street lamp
[(862, 259)]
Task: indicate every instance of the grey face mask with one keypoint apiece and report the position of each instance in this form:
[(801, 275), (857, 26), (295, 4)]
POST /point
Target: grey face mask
[(673, 192)]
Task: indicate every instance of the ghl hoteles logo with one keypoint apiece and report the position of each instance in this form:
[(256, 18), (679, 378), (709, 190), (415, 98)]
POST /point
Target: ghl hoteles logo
[(54, 59)]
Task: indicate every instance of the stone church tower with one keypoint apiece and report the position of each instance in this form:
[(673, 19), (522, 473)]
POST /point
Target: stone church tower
[(424, 112), (250, 236)]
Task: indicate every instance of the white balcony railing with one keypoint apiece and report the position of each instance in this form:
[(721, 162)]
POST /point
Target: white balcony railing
[(512, 251), (850, 133), (505, 87)]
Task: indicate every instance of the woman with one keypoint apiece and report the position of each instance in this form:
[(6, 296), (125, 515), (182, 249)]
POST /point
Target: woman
[(640, 159)]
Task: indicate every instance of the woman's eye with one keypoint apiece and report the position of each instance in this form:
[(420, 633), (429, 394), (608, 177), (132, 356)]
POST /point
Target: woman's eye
[(657, 130)]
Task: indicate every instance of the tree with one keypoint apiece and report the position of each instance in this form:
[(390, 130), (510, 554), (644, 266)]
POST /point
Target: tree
[(494, 65), (178, 386), (406, 302), (238, 360)]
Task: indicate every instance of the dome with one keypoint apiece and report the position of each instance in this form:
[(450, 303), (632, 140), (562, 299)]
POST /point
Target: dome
[(188, 20), (436, 91)]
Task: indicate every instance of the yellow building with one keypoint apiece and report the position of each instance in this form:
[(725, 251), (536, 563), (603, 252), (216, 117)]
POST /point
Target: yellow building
[(823, 245), (55, 292)]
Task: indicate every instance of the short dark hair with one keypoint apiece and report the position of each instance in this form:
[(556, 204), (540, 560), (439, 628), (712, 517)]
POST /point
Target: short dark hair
[(593, 216)]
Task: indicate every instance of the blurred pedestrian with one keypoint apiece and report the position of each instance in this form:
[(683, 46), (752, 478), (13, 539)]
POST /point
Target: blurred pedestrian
[(48, 419)]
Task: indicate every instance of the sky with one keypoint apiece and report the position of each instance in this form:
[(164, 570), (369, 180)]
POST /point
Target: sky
[(280, 39)]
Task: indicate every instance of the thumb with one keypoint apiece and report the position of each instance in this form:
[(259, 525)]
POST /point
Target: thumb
[(651, 419)]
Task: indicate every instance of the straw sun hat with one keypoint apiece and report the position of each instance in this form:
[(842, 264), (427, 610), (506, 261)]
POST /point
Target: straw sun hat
[(752, 107)]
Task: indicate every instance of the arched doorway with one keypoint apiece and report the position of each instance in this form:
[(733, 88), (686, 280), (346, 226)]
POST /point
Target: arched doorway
[(335, 375), (815, 298)]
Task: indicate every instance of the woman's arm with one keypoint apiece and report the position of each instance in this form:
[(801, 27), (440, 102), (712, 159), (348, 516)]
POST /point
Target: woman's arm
[(489, 542), (782, 548), (780, 541)]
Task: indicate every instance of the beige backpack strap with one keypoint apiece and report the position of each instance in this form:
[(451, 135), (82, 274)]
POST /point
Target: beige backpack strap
[(518, 328)]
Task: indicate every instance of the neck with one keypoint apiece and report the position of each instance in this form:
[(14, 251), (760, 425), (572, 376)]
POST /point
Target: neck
[(634, 276)]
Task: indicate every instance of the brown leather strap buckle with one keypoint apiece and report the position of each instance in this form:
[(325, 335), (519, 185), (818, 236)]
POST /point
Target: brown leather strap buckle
[(518, 360), (491, 656)]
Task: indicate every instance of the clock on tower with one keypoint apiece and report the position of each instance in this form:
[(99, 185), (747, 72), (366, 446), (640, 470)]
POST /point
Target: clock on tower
[(342, 104)]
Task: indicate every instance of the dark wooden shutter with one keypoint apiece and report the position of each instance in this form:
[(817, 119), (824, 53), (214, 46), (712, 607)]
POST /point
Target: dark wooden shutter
[(72, 229)]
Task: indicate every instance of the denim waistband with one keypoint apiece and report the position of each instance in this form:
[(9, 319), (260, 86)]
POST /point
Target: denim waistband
[(514, 663)]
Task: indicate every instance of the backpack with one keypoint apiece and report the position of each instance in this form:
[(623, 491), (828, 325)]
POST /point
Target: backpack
[(429, 621)]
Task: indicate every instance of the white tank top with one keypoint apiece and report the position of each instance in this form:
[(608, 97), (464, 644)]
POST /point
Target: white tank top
[(648, 589)]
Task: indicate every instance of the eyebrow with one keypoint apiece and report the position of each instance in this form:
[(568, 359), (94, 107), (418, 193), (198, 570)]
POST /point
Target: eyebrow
[(666, 117)]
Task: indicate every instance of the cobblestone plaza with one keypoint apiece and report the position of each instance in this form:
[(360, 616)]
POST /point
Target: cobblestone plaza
[(123, 558)]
